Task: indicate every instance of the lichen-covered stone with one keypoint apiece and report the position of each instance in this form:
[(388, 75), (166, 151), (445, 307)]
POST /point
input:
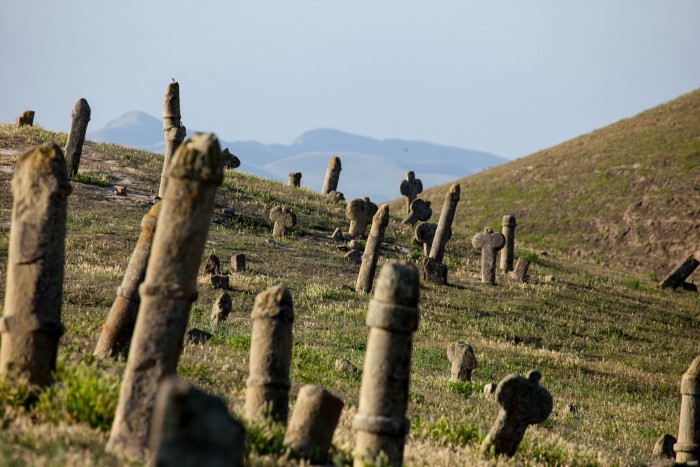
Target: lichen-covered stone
[(419, 210), (411, 187), (330, 183), (284, 220), (521, 270), (370, 257), (463, 361), (173, 130), (221, 309), (360, 212), (489, 243)]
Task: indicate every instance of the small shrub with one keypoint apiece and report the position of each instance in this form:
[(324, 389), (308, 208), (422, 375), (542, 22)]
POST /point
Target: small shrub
[(448, 432), (633, 284), (265, 439), (88, 178), (465, 388)]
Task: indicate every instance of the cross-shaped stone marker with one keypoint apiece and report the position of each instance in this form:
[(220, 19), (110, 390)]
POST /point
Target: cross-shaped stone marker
[(489, 243), (360, 212), (418, 211), (410, 188), (284, 220)]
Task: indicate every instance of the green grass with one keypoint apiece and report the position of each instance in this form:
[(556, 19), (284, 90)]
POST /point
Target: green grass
[(605, 338)]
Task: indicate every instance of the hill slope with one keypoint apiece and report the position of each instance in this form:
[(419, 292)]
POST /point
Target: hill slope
[(627, 194), (610, 343)]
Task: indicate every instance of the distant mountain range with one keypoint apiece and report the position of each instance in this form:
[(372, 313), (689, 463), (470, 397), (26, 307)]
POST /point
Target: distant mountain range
[(368, 164)]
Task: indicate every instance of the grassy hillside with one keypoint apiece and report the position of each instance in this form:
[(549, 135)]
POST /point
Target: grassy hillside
[(627, 194), (605, 340)]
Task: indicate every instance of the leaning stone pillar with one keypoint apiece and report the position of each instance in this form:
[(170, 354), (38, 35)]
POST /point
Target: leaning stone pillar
[(173, 129), (116, 333), (267, 393), (80, 116), (26, 119), (169, 288), (332, 175), (32, 325), (433, 269), (365, 278), (688, 446), (381, 425), (508, 251), (676, 277), (314, 419), (489, 243)]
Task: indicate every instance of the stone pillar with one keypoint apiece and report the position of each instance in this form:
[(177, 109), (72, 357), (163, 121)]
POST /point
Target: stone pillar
[(688, 446), (191, 427), (521, 268), (381, 425), (410, 188), (676, 278), (489, 243), (332, 175), (523, 403), (360, 212), (169, 288), (365, 278), (26, 119), (238, 263), (508, 251), (284, 220), (419, 210), (267, 392), (433, 268), (173, 129), (31, 325), (295, 179), (314, 419), (117, 331), (461, 356), (80, 116)]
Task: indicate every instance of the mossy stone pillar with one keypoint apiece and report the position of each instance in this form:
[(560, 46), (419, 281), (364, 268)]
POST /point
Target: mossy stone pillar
[(169, 288)]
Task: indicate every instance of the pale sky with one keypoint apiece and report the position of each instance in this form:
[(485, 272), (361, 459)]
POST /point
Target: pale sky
[(507, 77)]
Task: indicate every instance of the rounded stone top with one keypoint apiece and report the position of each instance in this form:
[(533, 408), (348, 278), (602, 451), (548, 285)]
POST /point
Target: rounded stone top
[(275, 302), (334, 163), (690, 383), (525, 398), (461, 349), (41, 172), (425, 232), (171, 102), (279, 213), (453, 193), (489, 239), (150, 219), (382, 215), (360, 208), (81, 109), (398, 283), (198, 158), (508, 220)]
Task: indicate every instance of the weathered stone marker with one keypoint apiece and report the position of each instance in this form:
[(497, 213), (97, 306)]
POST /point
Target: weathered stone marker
[(433, 268), (267, 392), (365, 278), (461, 356), (26, 119), (508, 250), (230, 161), (410, 188), (313, 422), (213, 265), (295, 179), (489, 243), (169, 288), (221, 309), (284, 220), (663, 448), (688, 446), (238, 263), (173, 129), (360, 212), (80, 116), (31, 325), (521, 268), (335, 197), (523, 403), (676, 278), (381, 425), (193, 428), (418, 211), (119, 327), (424, 235), (332, 176)]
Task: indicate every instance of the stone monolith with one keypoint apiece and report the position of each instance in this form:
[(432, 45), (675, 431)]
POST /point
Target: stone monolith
[(295, 179), (221, 309), (173, 130), (381, 425), (267, 392), (332, 175), (26, 119), (31, 324), (365, 278), (461, 356), (284, 220), (411, 187), (688, 445), (676, 277), (116, 333), (523, 403), (521, 269), (313, 422), (489, 243), (360, 212), (508, 251), (80, 116), (419, 210), (433, 267), (238, 263), (169, 288)]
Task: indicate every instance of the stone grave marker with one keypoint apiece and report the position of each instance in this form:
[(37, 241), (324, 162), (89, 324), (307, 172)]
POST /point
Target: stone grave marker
[(169, 288), (521, 269), (173, 130), (221, 309), (267, 392), (424, 235), (116, 334), (230, 161), (80, 116), (663, 449), (418, 211), (508, 250), (676, 277), (294, 179), (313, 422), (433, 267), (688, 445), (213, 265), (489, 243), (238, 263), (284, 220), (26, 119), (381, 425), (330, 183), (461, 356), (31, 324), (365, 278), (360, 212), (411, 187), (335, 196), (193, 428), (523, 403)]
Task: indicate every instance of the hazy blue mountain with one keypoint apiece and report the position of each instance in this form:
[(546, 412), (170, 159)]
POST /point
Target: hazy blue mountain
[(371, 167)]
